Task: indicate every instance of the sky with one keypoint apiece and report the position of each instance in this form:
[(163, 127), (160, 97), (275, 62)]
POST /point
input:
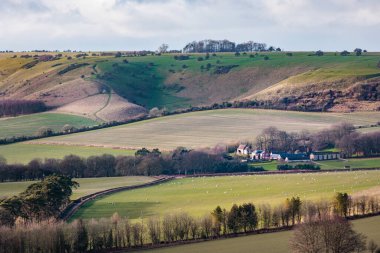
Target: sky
[(101, 25)]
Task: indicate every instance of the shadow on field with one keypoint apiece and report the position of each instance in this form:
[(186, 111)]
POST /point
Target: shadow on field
[(132, 210)]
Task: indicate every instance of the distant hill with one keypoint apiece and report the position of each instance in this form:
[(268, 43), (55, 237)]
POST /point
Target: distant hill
[(117, 88)]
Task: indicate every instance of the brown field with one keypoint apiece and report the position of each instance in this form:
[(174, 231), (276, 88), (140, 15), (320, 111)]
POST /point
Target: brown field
[(207, 128)]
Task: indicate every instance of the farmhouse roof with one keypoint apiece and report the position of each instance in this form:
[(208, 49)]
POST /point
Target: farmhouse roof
[(324, 153), (243, 146), (277, 152), (295, 157)]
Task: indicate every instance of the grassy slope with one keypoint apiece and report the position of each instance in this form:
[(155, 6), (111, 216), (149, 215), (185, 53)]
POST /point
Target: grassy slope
[(143, 84), (140, 83), (24, 153), (29, 124), (208, 128), (143, 79), (87, 185), (200, 195), (268, 243)]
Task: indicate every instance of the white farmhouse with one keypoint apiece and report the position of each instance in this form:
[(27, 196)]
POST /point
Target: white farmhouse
[(243, 150)]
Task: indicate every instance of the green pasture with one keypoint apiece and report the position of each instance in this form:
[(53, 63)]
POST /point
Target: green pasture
[(268, 243), (25, 152), (87, 185), (208, 128), (353, 163), (199, 196), (357, 163), (270, 165), (28, 125)]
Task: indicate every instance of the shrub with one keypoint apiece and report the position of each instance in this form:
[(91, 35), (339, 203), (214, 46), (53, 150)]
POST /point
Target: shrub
[(72, 67), (181, 57), (266, 58), (289, 54), (45, 132), (200, 58), (319, 53), (305, 166)]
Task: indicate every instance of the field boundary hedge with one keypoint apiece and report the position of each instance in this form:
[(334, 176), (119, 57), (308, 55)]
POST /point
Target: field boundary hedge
[(72, 208), (222, 237)]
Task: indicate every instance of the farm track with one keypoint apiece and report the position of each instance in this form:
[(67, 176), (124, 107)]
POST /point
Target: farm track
[(70, 210), (105, 105)]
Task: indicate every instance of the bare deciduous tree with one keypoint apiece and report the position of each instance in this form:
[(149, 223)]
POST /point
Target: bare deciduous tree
[(330, 234)]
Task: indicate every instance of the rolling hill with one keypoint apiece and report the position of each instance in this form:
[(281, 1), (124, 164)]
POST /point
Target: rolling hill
[(109, 88)]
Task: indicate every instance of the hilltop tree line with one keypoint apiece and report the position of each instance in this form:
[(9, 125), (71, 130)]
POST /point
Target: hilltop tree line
[(14, 107), (145, 162), (213, 46), (344, 136), (312, 220)]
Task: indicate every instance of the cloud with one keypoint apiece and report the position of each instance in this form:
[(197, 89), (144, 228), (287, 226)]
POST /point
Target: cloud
[(134, 24)]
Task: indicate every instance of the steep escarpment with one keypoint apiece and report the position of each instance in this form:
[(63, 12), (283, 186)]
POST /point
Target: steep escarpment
[(108, 88)]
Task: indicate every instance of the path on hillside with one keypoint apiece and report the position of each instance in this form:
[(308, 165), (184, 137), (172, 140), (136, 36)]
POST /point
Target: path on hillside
[(71, 209), (105, 105)]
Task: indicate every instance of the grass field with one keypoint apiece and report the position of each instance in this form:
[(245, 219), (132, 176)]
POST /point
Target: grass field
[(208, 128), (353, 163), (268, 243), (87, 185), (199, 196), (24, 153), (29, 124), (360, 163)]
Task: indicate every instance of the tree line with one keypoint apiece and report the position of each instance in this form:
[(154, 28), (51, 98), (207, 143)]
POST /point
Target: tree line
[(212, 46), (14, 107), (120, 232), (144, 162)]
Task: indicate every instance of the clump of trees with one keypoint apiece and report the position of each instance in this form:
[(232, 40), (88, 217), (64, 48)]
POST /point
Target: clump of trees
[(210, 46), (14, 107), (40, 201), (327, 234)]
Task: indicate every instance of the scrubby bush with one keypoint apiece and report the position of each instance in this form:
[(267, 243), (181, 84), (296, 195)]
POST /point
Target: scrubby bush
[(45, 132)]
